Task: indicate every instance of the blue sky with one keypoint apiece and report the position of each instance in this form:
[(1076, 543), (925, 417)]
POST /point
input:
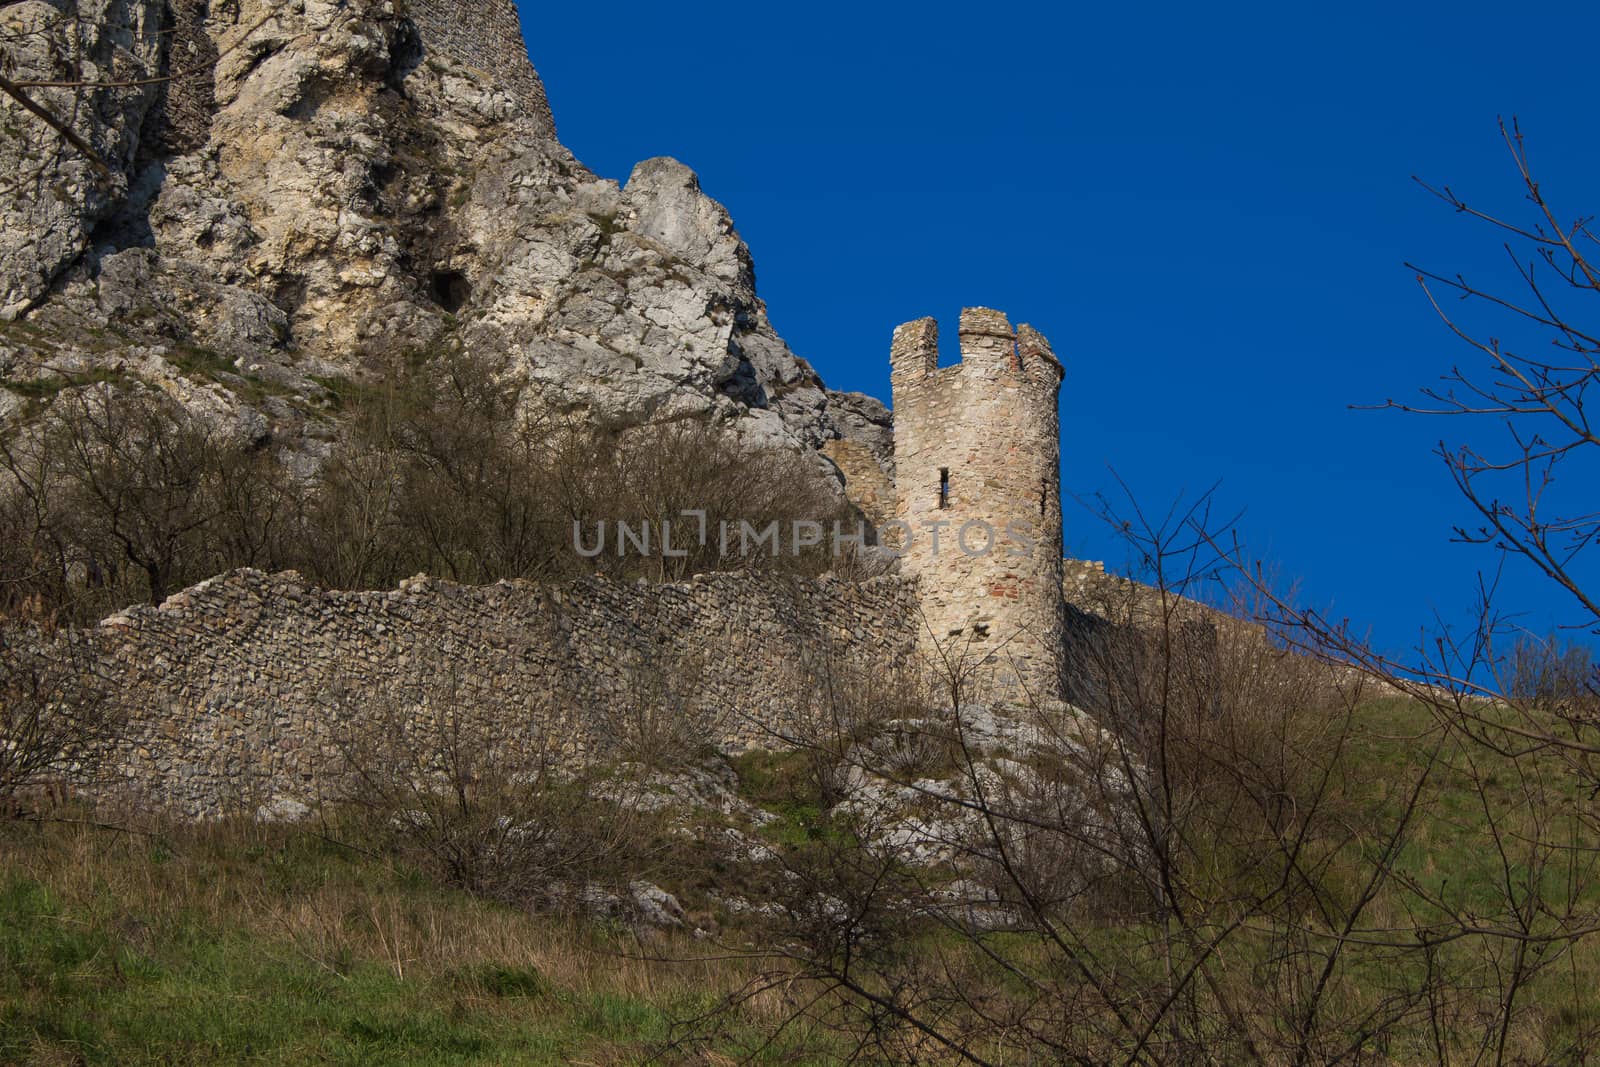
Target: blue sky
[(1207, 208)]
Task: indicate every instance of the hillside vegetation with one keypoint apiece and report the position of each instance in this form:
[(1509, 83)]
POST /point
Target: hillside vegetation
[(242, 943), (115, 494)]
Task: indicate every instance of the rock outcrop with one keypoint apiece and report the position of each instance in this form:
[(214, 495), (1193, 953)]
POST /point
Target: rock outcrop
[(290, 195)]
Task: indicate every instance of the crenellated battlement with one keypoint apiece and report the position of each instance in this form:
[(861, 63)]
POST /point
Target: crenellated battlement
[(1039, 362), (914, 351), (989, 346), (987, 339)]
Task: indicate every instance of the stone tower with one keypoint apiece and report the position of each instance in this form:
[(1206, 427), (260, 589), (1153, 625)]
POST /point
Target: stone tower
[(486, 36), (978, 493)]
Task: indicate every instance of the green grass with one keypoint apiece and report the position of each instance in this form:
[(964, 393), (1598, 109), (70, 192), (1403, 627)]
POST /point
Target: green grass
[(238, 944), (608, 225), (1451, 852), (47, 388), (343, 392), (202, 362), (780, 783), (208, 365), (266, 947)]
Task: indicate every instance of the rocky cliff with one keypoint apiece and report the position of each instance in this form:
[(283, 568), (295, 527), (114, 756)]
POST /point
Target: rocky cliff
[(289, 196)]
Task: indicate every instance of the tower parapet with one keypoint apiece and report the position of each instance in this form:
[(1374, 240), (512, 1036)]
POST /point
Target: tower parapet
[(977, 485), (914, 351)]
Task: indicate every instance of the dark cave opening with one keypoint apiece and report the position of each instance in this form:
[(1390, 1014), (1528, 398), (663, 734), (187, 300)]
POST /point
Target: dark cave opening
[(449, 289)]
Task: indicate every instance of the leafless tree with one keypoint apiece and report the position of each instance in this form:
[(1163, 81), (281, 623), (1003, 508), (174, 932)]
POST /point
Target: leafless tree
[(704, 483), (54, 715), (143, 477), (1516, 714), (36, 560), (493, 806), (1550, 674), (1533, 492), (117, 493)]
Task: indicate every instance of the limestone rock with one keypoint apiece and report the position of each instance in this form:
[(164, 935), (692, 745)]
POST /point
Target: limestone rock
[(654, 906), (910, 797), (54, 196), (280, 810), (326, 185), (645, 905)]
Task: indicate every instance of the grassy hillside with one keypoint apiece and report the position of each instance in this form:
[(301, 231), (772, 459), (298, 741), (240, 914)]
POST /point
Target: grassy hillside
[(246, 944)]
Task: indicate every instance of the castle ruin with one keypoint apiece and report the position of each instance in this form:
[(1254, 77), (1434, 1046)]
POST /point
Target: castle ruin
[(978, 498), (236, 691)]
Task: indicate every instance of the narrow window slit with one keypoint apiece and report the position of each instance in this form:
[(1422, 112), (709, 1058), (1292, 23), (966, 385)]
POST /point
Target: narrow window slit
[(944, 487)]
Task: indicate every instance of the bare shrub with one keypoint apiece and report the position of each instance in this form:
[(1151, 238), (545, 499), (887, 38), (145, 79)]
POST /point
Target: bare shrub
[(660, 718), (839, 705), (54, 715), (118, 495), (353, 534), (704, 483), (1550, 675), (489, 805), (906, 749), (445, 470)]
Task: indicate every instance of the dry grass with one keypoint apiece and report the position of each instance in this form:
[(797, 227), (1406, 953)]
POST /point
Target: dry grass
[(237, 943)]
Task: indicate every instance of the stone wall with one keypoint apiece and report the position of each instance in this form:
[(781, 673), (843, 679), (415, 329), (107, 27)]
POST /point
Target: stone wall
[(1081, 579), (184, 121), (977, 485), (865, 483), (485, 36), (1087, 587), (239, 690)]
